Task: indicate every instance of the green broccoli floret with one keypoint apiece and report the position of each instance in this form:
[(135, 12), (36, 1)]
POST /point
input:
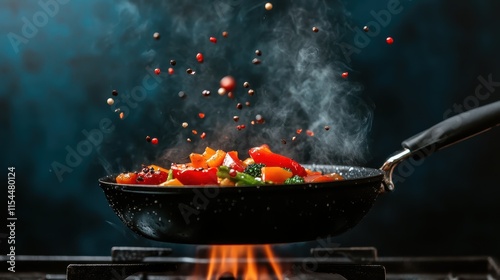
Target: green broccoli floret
[(254, 169), (294, 180)]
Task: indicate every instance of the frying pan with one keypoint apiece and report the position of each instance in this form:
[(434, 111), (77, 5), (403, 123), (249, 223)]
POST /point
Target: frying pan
[(279, 213)]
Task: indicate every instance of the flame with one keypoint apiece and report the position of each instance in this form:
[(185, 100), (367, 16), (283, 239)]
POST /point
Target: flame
[(245, 262)]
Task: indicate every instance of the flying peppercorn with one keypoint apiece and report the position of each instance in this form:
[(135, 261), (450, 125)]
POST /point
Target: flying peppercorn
[(199, 57), (315, 29), (221, 91), (256, 61), (156, 36)]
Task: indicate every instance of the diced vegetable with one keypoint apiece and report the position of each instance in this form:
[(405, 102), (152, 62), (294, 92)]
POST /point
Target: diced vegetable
[(276, 175), (254, 169), (208, 153), (216, 159), (127, 178), (240, 178), (198, 160), (296, 179), (231, 160), (172, 182), (322, 178), (194, 176), (263, 154)]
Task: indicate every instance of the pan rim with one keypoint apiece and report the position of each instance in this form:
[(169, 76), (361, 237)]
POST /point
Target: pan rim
[(109, 182)]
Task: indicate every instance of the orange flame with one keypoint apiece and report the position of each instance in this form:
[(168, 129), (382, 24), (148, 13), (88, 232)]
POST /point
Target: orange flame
[(245, 262)]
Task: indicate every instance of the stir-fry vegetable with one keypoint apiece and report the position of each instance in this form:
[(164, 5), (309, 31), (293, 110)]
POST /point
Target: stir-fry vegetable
[(226, 169)]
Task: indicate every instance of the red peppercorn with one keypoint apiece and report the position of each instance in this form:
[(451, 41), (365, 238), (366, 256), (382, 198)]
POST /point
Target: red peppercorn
[(345, 75), (199, 57), (213, 40), (203, 135), (154, 141), (232, 172), (389, 40), (157, 71), (170, 71)]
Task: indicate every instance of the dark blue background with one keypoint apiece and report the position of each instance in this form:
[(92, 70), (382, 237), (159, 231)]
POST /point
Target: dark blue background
[(55, 84)]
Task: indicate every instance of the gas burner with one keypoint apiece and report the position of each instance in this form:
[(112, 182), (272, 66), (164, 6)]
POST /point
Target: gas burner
[(326, 263)]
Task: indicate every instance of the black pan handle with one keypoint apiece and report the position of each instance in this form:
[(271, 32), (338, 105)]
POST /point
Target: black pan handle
[(444, 134), (454, 130)]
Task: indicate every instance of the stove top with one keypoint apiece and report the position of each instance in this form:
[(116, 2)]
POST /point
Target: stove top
[(325, 263)]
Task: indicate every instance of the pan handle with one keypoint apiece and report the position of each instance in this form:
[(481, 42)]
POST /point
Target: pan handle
[(442, 135)]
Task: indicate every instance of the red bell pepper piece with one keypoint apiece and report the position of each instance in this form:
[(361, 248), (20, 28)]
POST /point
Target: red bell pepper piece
[(263, 154), (194, 176), (231, 160), (318, 178)]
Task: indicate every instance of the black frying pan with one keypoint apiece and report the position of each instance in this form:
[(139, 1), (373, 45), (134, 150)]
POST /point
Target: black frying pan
[(278, 214)]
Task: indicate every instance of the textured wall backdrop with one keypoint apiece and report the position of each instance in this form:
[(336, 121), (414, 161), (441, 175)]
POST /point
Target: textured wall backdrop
[(60, 60)]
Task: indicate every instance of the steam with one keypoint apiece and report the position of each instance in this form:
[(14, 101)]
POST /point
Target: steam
[(298, 85)]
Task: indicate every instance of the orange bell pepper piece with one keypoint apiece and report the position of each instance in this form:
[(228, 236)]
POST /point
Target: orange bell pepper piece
[(198, 160), (216, 159), (172, 182), (274, 174), (209, 152)]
